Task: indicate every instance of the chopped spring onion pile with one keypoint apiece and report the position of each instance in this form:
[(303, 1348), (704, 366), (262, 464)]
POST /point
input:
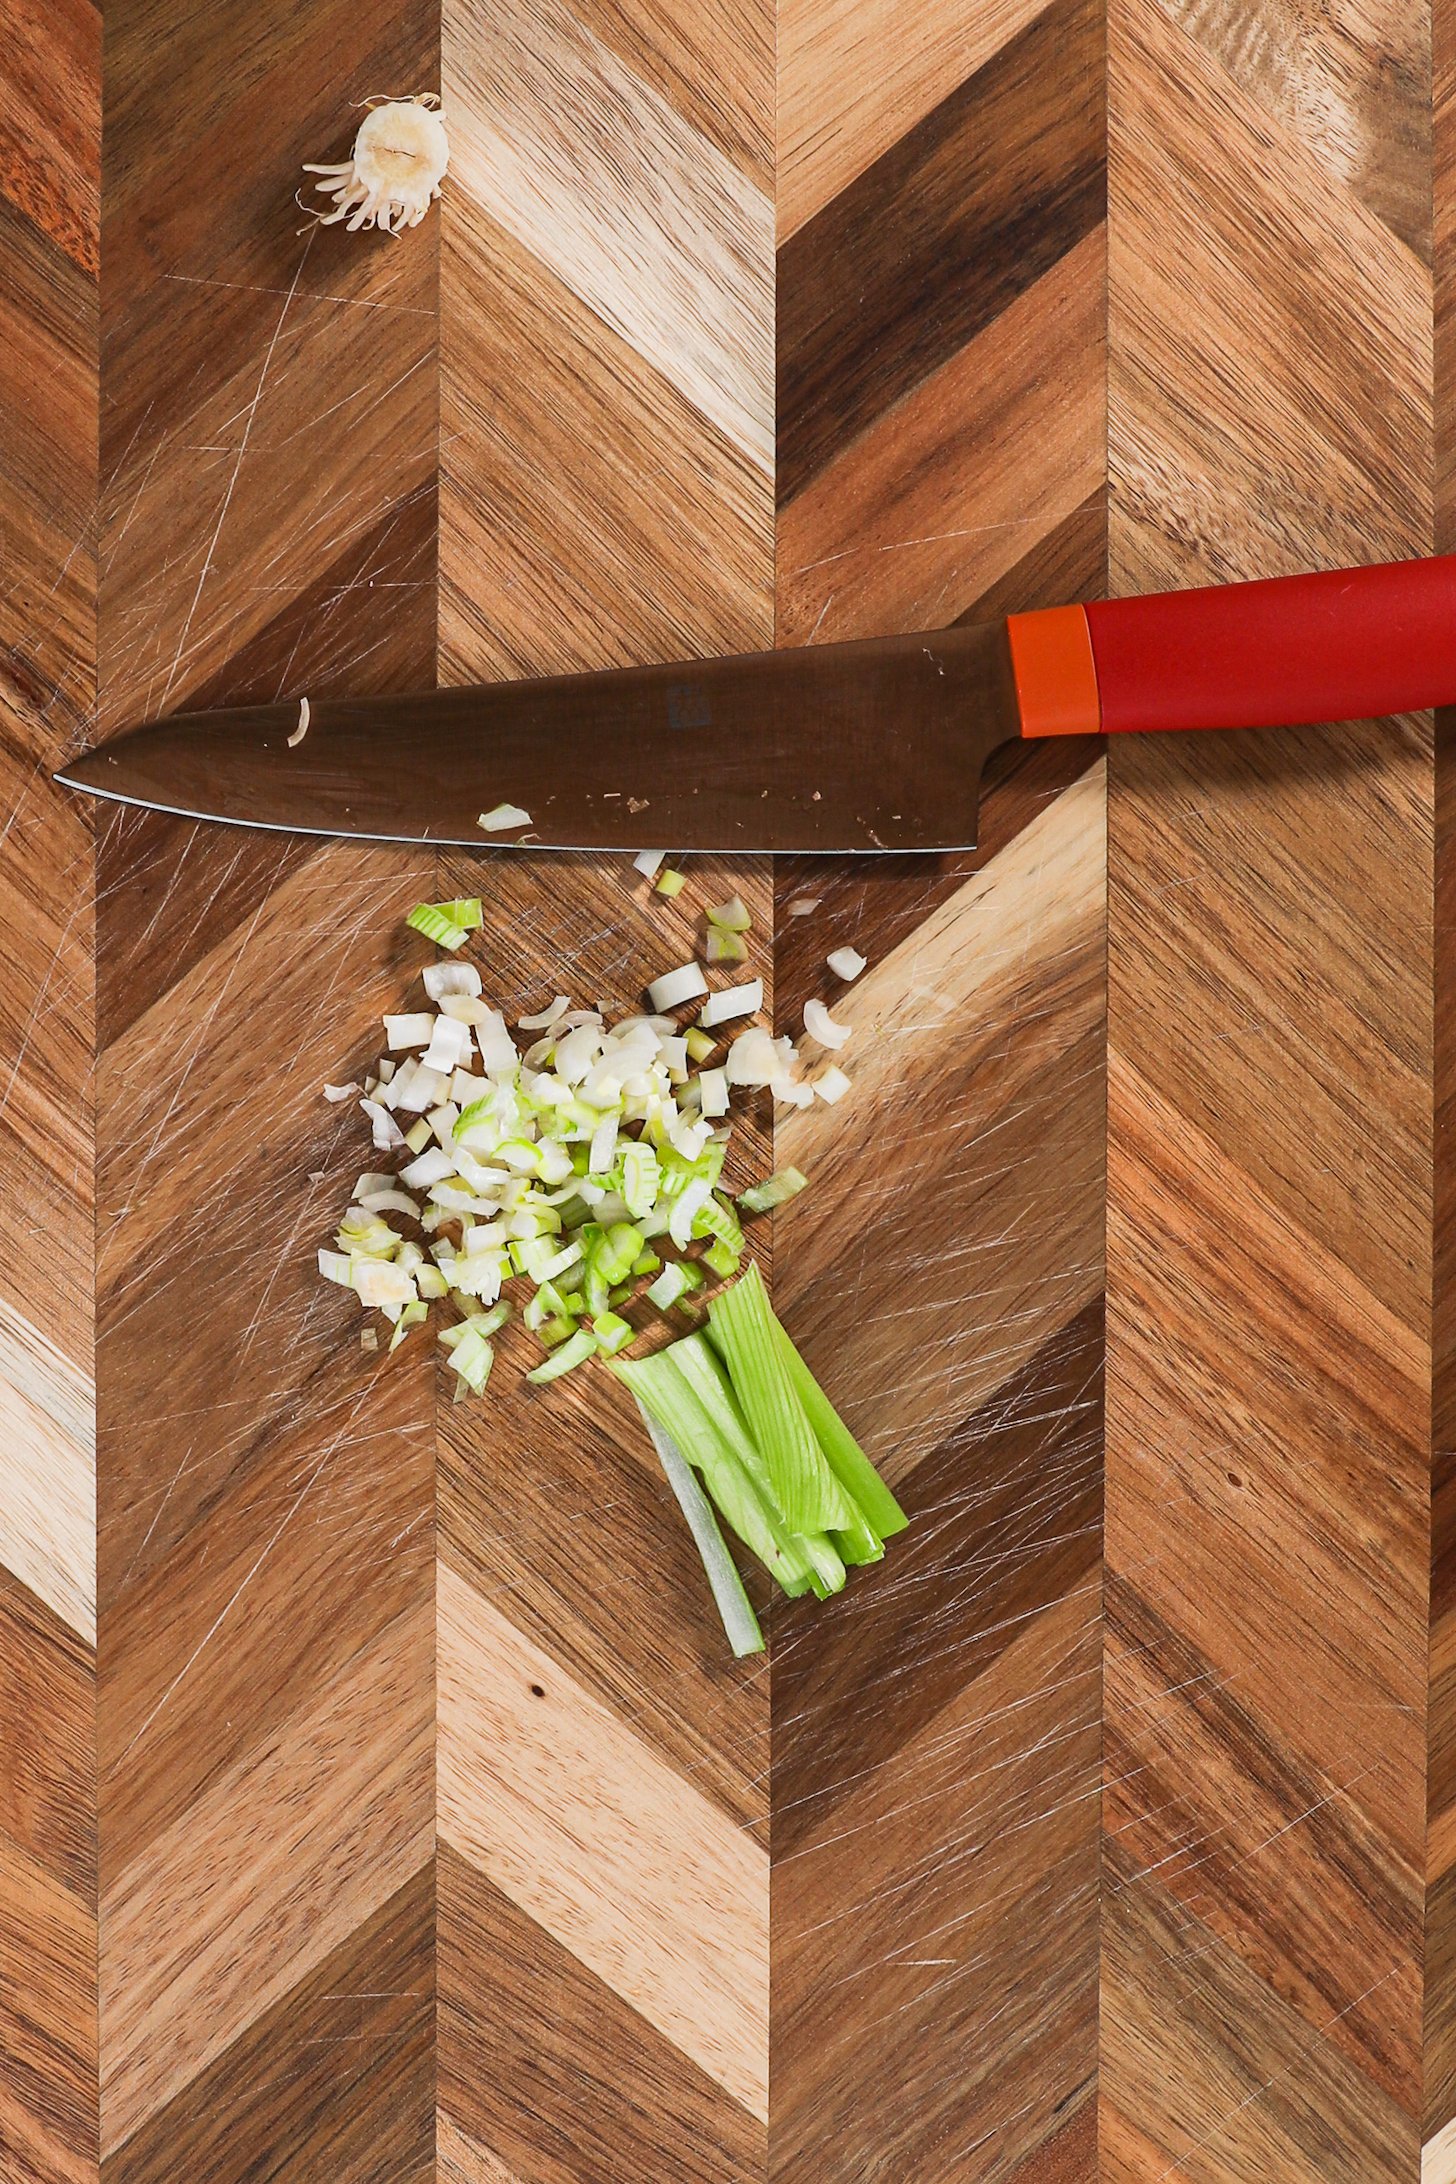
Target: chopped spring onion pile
[(578, 1163)]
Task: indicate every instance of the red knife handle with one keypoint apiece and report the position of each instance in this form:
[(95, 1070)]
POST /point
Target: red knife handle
[(1346, 644)]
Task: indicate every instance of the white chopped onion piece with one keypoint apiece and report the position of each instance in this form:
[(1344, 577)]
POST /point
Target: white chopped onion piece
[(603, 1146), (831, 1084), (752, 1059), (452, 980), (792, 1092), (387, 1132), (442, 1121), (337, 1093), (449, 1047), (503, 816), (804, 906), (577, 1052), (846, 963), (381, 1285), (820, 1025), (465, 1008), (649, 862), (485, 1236), (713, 1091), (689, 1137), (547, 1017), (674, 987), (731, 1001), (497, 1048), (387, 1070), (337, 1266), (426, 1089), (408, 1031), (390, 1202), (431, 1167), (673, 1054), (465, 1090)]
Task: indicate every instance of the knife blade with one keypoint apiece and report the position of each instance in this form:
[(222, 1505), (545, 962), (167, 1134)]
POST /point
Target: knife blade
[(876, 745)]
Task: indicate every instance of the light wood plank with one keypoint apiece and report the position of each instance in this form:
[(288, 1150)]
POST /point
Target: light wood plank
[(566, 1810)]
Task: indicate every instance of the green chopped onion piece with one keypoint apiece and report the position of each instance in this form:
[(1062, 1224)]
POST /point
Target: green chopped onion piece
[(731, 915), (410, 1316), (724, 1261), (699, 1043), (744, 1333), (645, 1263), (846, 1459), (573, 1304), (641, 1175), (472, 1357), (740, 1624), (677, 1279), (724, 946), (598, 1292), (551, 1333), (671, 883), (430, 1282), (714, 1218), (466, 911), (574, 1351), (615, 1255), (613, 1333), (777, 1191), (433, 920)]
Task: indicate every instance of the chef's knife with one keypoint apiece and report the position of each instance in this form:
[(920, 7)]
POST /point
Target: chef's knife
[(876, 745)]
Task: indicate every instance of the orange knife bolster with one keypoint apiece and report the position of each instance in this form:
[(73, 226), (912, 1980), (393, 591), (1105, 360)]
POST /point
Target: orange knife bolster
[(1055, 672)]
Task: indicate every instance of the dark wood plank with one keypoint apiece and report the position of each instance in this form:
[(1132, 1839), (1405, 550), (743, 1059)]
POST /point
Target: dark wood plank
[(936, 239)]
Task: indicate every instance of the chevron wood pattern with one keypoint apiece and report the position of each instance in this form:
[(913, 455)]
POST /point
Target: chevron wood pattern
[(935, 1827), (606, 495), (50, 70), (1268, 1525), (1102, 1835), (266, 1621)]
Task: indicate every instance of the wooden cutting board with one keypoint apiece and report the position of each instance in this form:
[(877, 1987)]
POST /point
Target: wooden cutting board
[(383, 1755)]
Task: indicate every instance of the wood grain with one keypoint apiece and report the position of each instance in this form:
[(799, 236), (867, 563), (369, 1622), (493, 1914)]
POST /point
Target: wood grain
[(858, 1918), (267, 1629), (941, 453), (606, 495), (1265, 1998), (50, 147)]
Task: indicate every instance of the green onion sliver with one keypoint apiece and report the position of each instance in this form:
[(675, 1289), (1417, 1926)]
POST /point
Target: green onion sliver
[(744, 1332), (740, 1624), (777, 1191), (842, 1452), (575, 1351)]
